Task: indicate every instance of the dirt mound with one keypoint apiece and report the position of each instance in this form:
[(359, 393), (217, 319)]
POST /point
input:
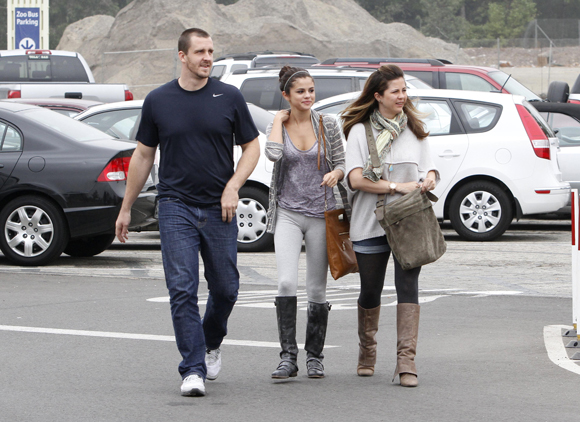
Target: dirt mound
[(325, 28)]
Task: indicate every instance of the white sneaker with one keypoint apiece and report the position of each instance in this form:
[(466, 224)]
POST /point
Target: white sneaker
[(213, 361), (193, 385)]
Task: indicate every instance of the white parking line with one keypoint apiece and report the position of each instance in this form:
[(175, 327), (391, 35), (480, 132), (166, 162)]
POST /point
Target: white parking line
[(556, 349), (130, 336)]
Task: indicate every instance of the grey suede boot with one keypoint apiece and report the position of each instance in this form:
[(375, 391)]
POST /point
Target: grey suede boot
[(286, 315), (315, 336)]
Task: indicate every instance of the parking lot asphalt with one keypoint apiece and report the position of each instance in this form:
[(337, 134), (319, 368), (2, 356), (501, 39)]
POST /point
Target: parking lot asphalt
[(92, 340)]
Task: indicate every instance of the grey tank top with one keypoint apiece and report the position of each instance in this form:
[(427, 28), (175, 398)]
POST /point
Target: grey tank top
[(300, 180)]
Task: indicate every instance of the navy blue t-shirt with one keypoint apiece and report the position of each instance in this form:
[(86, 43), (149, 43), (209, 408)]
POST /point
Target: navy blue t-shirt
[(195, 131)]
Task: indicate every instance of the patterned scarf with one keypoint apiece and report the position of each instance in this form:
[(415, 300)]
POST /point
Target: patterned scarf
[(389, 130)]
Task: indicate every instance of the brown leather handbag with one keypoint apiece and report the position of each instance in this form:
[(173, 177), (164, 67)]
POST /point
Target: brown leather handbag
[(341, 256)]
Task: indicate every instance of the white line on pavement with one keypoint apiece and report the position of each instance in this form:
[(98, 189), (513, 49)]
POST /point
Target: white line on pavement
[(556, 349), (248, 343)]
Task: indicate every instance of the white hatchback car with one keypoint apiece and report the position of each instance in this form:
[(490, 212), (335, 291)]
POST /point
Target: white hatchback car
[(496, 156)]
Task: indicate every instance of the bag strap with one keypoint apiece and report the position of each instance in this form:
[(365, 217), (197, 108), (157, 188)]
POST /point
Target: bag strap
[(375, 161), (322, 135)]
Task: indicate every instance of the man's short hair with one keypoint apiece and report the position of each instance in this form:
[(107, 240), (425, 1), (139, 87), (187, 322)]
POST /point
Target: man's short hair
[(185, 38)]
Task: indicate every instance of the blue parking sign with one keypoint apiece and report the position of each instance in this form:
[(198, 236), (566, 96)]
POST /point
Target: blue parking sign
[(27, 28)]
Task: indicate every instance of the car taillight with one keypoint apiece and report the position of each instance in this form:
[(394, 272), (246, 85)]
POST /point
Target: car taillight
[(538, 138), (574, 101), (116, 170), (128, 95), (13, 94)]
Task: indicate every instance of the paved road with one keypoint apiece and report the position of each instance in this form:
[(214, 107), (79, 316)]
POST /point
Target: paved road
[(92, 340)]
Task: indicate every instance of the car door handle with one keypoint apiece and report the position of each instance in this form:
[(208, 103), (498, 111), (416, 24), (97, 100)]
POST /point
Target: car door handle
[(449, 154), (1, 166)]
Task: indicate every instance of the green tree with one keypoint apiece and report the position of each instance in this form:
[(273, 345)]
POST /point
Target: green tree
[(509, 18), (411, 12), (446, 20)]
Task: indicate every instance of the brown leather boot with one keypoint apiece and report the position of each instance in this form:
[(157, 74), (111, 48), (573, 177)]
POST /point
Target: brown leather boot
[(368, 325), (407, 332)]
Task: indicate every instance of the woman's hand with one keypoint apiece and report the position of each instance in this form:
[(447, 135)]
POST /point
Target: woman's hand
[(427, 185), (406, 188), (282, 116), (331, 179)]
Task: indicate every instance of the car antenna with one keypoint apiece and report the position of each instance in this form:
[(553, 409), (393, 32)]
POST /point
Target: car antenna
[(506, 81)]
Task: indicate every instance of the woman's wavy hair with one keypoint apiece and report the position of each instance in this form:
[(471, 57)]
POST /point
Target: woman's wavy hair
[(362, 108)]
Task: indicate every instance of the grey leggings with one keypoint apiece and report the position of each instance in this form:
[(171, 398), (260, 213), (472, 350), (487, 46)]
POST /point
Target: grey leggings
[(291, 229)]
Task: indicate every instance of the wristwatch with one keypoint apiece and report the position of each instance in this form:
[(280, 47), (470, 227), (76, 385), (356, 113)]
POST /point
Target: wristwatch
[(393, 187)]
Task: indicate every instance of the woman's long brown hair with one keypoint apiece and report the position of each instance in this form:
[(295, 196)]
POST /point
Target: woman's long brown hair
[(362, 108)]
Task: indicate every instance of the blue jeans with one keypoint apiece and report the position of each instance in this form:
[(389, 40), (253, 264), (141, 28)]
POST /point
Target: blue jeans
[(187, 231)]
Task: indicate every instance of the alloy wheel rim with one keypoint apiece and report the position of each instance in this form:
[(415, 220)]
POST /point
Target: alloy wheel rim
[(29, 231), (252, 220), (480, 211)]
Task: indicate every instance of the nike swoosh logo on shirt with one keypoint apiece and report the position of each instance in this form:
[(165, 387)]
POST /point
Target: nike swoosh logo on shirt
[(217, 95)]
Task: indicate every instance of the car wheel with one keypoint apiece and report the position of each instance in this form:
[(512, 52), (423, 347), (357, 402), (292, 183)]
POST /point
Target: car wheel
[(89, 246), (34, 231), (253, 220), (480, 211)]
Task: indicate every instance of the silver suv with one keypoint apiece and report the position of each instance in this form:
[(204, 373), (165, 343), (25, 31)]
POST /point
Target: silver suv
[(261, 87)]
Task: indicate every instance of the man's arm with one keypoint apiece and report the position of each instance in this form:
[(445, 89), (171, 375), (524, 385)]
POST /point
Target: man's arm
[(139, 169), (246, 165)]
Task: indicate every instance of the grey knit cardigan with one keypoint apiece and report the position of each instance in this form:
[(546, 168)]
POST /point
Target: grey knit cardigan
[(334, 158)]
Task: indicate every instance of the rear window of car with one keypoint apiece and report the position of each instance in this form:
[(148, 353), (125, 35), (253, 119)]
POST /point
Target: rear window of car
[(425, 76), (42, 68), (66, 126), (263, 92), (478, 117), (467, 82), (10, 139)]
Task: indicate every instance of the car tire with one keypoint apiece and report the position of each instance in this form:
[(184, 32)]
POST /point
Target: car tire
[(34, 231), (480, 211), (253, 220), (89, 246), (558, 92)]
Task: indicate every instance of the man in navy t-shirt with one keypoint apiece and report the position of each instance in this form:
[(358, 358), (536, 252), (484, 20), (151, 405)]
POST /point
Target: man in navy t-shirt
[(195, 121)]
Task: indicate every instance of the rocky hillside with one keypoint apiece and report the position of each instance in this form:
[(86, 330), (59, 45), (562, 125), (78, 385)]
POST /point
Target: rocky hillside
[(325, 28)]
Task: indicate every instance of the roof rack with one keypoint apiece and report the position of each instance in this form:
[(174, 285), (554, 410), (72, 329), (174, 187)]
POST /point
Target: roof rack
[(252, 54), (375, 60), (337, 69)]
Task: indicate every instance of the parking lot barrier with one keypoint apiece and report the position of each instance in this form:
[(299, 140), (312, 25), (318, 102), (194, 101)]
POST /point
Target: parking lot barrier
[(575, 248)]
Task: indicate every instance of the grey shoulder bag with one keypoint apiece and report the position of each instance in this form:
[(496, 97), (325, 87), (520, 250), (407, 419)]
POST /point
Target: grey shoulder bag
[(409, 222)]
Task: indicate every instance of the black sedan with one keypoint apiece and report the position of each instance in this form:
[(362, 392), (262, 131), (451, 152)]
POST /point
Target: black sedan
[(61, 185)]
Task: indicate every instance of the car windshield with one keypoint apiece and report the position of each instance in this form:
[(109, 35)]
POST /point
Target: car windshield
[(512, 86), (65, 125)]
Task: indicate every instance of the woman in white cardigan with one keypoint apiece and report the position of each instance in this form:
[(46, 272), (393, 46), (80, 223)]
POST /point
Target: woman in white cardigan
[(305, 171), (406, 165)]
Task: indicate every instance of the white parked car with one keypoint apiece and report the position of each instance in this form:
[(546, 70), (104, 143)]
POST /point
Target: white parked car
[(497, 158)]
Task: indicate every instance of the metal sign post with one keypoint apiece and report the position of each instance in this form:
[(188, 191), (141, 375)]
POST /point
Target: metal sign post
[(27, 24), (575, 260)]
